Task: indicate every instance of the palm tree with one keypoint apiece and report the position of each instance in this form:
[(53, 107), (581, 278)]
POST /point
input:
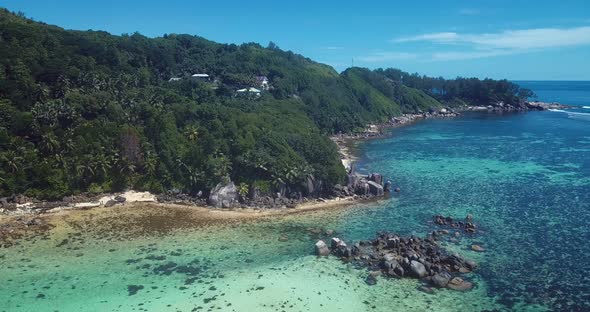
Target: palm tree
[(191, 133), (277, 181), (101, 164), (12, 160), (50, 142), (150, 163), (83, 169), (194, 175), (125, 166)]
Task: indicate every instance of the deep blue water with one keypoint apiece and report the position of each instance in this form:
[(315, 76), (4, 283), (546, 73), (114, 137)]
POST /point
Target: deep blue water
[(566, 92)]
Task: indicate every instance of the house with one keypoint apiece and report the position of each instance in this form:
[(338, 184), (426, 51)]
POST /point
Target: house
[(174, 79), (249, 92), (263, 82), (201, 76)]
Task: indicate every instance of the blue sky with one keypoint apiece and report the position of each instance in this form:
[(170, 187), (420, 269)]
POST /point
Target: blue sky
[(519, 40)]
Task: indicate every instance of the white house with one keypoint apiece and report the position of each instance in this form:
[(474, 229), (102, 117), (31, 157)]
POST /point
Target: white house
[(201, 76), (249, 91), (263, 82)]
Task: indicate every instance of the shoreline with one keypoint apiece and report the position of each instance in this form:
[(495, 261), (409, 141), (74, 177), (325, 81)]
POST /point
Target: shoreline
[(133, 219), (207, 211), (346, 144)]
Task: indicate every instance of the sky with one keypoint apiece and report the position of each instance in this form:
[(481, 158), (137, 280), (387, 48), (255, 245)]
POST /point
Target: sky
[(517, 39)]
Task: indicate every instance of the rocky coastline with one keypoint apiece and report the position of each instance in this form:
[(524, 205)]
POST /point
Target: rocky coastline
[(224, 196), (377, 130)]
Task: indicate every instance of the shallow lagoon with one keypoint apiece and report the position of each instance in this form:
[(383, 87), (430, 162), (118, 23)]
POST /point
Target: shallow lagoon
[(524, 177)]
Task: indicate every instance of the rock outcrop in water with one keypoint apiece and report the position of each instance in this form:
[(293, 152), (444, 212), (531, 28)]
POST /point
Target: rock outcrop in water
[(405, 257), (468, 226), (368, 186)]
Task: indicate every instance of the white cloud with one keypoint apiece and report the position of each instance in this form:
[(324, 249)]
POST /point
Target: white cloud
[(502, 43), (469, 11), (332, 48), (455, 56), (435, 37), (511, 39), (387, 56)]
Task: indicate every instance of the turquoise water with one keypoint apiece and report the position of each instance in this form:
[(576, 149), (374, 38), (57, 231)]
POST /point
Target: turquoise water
[(103, 263), (524, 177)]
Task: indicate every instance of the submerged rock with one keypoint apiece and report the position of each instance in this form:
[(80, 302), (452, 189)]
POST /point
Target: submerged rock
[(387, 186), (133, 289), (459, 284), (371, 280), (426, 289), (467, 226), (477, 248), (283, 238)]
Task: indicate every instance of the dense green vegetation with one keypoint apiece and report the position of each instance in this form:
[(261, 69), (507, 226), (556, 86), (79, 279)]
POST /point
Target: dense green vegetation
[(462, 91), (88, 111)]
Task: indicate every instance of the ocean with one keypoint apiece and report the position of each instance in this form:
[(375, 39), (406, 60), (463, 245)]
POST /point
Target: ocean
[(525, 178)]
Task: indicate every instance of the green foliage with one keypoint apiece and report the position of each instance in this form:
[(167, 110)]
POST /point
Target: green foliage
[(461, 90), (86, 111), (243, 189), (262, 186)]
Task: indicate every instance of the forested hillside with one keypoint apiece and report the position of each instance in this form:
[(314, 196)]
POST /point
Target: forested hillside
[(88, 111)]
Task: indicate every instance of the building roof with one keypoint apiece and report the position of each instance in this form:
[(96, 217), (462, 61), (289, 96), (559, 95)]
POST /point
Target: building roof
[(253, 90), (201, 75)]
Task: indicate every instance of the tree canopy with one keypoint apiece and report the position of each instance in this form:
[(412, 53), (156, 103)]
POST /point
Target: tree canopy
[(86, 111)]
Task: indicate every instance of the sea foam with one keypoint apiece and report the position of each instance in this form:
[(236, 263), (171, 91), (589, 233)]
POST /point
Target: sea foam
[(579, 116)]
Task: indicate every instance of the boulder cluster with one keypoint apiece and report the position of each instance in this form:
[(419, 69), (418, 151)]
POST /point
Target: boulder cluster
[(392, 255), (227, 195), (373, 185), (468, 226), (223, 195), (432, 113)]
